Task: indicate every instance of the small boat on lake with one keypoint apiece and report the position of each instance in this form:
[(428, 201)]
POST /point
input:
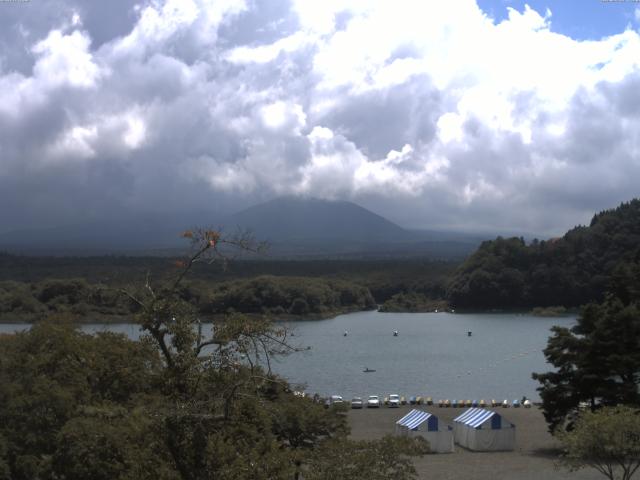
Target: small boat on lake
[(346, 333), (368, 370), (395, 333)]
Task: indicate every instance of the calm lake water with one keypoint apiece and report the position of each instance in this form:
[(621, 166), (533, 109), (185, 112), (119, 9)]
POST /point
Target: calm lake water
[(432, 354)]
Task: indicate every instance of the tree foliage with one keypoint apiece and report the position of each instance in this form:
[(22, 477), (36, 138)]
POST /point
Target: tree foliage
[(366, 460), (51, 374), (98, 278), (265, 295), (180, 403), (412, 302), (28, 302), (597, 361), (292, 295), (607, 440), (570, 271)]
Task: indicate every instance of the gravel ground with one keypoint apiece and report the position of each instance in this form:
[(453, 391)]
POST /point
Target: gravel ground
[(533, 458)]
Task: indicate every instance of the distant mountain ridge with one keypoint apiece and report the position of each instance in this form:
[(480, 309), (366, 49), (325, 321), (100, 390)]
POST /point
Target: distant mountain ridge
[(294, 227), (315, 228), (294, 219)]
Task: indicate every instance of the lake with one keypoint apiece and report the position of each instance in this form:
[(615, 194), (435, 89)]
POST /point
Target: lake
[(432, 354)]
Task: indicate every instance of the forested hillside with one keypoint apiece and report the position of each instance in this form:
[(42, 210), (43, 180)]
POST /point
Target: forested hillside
[(32, 287), (570, 271), (292, 295), (268, 295)]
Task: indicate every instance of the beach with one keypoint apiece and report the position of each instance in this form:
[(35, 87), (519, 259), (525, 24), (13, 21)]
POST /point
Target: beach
[(533, 458)]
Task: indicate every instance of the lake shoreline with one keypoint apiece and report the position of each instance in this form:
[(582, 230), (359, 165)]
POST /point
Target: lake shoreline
[(206, 319), (308, 317)]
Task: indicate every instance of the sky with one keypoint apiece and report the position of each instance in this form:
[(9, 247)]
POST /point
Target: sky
[(493, 115)]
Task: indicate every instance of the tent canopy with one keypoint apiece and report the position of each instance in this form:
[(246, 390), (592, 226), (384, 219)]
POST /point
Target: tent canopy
[(475, 417), (417, 423), (415, 418), (484, 430)]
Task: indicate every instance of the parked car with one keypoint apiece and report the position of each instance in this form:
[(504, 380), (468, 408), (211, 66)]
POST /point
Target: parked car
[(356, 402), (373, 401), (394, 400), (333, 400)]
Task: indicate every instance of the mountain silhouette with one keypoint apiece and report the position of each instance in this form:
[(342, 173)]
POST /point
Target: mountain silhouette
[(302, 219), (293, 227)]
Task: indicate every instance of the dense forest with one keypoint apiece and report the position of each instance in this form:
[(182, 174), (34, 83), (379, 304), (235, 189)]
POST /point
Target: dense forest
[(292, 295), (269, 295), (31, 287), (569, 271)]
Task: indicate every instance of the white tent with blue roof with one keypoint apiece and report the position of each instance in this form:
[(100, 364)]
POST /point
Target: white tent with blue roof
[(427, 426), (484, 430)]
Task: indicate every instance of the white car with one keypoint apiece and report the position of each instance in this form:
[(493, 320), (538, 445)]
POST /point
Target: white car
[(394, 400), (373, 401), (335, 399)]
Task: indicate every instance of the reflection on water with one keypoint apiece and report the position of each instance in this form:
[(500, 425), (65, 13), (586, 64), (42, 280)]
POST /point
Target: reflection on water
[(432, 354)]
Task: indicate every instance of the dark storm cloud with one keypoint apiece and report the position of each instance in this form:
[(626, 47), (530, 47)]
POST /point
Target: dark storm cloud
[(109, 109), (401, 114)]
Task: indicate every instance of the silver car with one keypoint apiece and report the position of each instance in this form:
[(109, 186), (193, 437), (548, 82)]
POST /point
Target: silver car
[(394, 400), (373, 401), (356, 402)]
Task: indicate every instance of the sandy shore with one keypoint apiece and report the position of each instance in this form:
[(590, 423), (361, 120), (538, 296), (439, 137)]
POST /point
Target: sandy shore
[(533, 458)]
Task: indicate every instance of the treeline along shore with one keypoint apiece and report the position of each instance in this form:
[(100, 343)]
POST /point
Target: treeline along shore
[(503, 274), (91, 288)]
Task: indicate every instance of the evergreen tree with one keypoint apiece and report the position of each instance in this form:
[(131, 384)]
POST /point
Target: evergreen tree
[(597, 361)]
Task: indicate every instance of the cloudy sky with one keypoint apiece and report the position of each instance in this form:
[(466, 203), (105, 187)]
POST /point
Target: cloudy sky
[(437, 114)]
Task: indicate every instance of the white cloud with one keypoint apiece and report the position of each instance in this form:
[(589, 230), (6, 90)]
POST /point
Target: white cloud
[(283, 116), (268, 53), (65, 60), (172, 21), (429, 110), (74, 144), (136, 132)]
